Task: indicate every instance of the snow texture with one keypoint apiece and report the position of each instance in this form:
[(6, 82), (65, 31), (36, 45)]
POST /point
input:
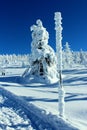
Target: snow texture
[(16, 114), (44, 111)]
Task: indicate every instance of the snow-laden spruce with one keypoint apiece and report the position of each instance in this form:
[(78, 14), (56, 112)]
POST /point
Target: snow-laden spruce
[(68, 57), (43, 60)]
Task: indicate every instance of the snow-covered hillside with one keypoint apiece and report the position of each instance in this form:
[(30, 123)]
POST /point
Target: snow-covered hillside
[(17, 112)]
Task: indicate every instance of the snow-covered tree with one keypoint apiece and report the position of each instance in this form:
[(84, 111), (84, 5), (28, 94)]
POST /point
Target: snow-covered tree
[(68, 56), (76, 56), (82, 57), (43, 60), (58, 28)]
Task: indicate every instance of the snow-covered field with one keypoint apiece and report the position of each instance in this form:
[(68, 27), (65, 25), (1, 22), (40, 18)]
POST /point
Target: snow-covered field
[(35, 105)]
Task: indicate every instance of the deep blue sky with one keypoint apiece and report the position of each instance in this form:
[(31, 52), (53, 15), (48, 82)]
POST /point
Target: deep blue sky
[(16, 17)]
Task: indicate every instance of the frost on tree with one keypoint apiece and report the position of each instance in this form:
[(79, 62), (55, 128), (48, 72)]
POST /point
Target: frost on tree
[(43, 60), (58, 28), (68, 58)]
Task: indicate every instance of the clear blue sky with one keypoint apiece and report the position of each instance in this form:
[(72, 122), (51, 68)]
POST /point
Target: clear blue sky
[(16, 17)]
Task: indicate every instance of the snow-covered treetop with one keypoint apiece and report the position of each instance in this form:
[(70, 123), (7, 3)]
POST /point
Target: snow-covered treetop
[(57, 19), (39, 33), (39, 24)]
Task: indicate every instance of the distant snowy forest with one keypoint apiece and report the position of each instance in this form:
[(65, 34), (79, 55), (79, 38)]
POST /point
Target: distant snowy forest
[(70, 59)]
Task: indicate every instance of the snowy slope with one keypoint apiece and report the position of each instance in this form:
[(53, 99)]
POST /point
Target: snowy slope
[(45, 98), (15, 113)]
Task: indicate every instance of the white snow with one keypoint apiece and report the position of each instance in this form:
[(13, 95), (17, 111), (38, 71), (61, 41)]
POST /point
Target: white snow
[(15, 110)]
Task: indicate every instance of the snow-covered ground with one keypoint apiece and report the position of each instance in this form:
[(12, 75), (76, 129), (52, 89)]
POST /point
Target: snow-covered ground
[(35, 105)]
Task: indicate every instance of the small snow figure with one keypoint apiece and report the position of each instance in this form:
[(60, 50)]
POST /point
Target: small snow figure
[(43, 60)]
